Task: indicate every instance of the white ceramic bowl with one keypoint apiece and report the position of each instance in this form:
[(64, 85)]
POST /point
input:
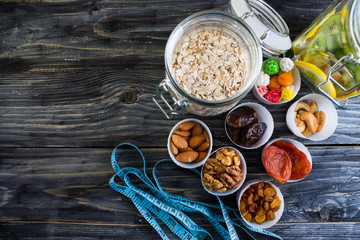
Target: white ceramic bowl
[(195, 164), (263, 116), (297, 144), (324, 105), (278, 213), (230, 191), (296, 83)]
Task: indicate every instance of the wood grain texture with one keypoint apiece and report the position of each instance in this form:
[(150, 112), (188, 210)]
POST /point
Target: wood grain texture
[(76, 79), (68, 188), (67, 36), (90, 110)]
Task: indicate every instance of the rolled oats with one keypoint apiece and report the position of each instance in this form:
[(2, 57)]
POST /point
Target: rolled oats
[(209, 65)]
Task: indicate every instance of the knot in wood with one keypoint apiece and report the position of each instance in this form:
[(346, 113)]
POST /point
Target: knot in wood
[(129, 96)]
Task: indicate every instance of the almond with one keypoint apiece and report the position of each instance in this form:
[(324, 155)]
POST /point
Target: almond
[(188, 156), (203, 146), (182, 133), (196, 140), (173, 148), (201, 156), (186, 125), (197, 129), (207, 138), (179, 141), (186, 149)]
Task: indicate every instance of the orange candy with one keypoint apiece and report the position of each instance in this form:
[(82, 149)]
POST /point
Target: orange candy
[(274, 82), (285, 79)]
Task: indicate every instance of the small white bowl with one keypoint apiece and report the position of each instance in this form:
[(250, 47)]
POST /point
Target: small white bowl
[(263, 116), (297, 84), (230, 191), (324, 105), (189, 165), (278, 213), (297, 144)]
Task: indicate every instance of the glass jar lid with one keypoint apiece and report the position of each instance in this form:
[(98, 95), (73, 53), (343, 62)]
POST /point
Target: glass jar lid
[(355, 25), (267, 24)]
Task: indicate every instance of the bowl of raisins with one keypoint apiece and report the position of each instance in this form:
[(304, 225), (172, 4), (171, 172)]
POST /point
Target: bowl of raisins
[(260, 203)]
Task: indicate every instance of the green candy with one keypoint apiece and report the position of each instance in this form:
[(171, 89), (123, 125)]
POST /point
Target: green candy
[(271, 67)]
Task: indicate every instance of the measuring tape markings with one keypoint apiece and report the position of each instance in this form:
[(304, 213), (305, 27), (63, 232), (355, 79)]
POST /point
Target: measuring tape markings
[(148, 202), (143, 205)]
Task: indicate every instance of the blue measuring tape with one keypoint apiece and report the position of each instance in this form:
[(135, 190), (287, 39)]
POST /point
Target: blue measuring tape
[(171, 208)]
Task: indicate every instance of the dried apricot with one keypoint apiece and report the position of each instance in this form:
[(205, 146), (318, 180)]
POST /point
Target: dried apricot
[(285, 79), (277, 163)]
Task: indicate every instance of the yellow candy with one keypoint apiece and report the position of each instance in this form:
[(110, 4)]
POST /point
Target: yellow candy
[(287, 94)]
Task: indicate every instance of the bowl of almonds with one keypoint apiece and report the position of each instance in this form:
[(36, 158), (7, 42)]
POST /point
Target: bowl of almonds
[(190, 143), (224, 171)]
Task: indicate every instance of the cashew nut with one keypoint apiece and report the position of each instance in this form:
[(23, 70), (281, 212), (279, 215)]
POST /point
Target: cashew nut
[(313, 106), (321, 117), (300, 124), (302, 105), (306, 132), (310, 120)]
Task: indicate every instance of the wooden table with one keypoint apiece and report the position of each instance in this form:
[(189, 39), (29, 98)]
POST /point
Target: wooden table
[(77, 79)]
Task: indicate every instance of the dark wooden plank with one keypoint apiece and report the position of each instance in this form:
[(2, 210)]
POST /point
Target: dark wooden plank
[(71, 184), (89, 110), (46, 230), (63, 36), (55, 188)]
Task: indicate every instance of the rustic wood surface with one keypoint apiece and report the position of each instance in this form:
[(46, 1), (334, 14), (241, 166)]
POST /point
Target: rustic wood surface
[(76, 79)]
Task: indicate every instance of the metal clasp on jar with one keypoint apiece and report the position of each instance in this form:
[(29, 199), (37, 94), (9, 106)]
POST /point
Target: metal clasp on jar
[(178, 105), (343, 62)]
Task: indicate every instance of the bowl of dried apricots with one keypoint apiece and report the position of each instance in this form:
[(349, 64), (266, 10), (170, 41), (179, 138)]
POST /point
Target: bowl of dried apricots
[(278, 83), (261, 203)]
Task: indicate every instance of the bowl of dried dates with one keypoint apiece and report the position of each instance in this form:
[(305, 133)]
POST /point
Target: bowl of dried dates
[(224, 171), (286, 160), (260, 203), (249, 125), (190, 143), (312, 117)]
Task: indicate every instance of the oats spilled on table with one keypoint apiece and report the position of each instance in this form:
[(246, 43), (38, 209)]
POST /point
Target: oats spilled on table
[(209, 65)]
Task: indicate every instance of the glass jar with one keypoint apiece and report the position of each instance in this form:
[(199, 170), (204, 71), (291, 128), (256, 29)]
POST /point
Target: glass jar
[(199, 22), (328, 52), (253, 24)]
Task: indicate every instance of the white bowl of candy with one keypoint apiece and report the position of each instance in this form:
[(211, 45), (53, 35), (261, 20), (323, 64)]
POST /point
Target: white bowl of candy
[(278, 83)]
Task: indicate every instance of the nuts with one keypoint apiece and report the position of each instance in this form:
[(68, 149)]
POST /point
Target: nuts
[(224, 167), (308, 119), (187, 156), (209, 65), (189, 143)]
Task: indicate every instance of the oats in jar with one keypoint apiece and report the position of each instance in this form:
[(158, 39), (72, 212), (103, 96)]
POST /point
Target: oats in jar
[(209, 65)]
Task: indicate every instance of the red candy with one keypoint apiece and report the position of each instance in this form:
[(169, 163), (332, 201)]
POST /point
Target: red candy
[(263, 90), (273, 96)]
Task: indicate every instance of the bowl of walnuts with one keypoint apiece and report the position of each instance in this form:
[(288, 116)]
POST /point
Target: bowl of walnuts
[(224, 171), (260, 203)]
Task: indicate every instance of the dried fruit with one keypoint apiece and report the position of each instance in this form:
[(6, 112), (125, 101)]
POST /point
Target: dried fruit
[(258, 207), (277, 163)]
